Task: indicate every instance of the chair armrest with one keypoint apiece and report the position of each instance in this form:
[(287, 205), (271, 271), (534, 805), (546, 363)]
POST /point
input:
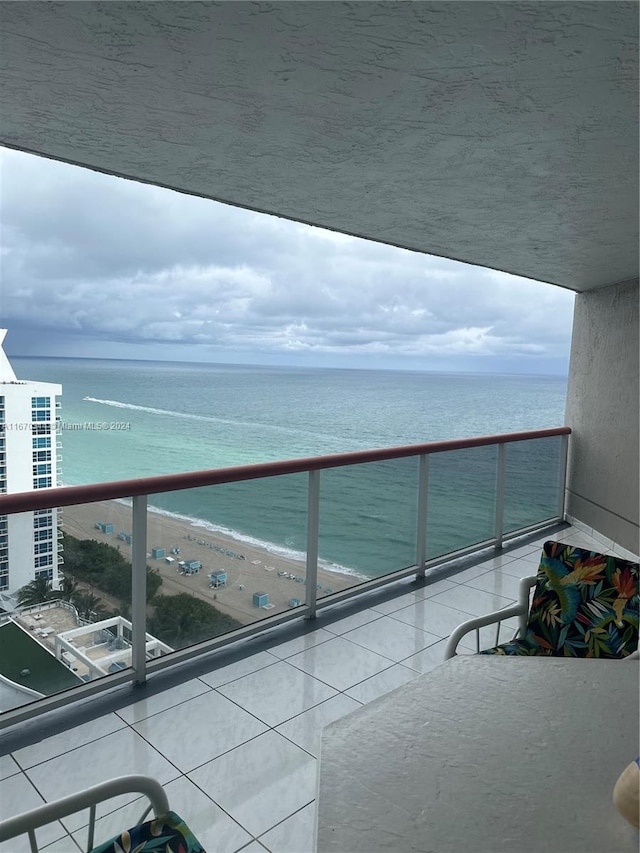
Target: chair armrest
[(521, 610), (479, 622), (28, 821)]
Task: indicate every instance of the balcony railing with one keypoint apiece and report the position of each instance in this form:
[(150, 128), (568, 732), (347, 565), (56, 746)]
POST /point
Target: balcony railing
[(439, 501)]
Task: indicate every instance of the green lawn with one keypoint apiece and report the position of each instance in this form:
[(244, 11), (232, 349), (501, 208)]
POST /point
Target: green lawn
[(19, 651)]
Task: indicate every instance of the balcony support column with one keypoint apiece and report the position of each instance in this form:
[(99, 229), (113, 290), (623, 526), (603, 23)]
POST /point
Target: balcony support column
[(498, 529), (423, 506), (562, 475), (139, 589), (313, 520)]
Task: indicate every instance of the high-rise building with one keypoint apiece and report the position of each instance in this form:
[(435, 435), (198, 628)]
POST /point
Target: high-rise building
[(28, 460)]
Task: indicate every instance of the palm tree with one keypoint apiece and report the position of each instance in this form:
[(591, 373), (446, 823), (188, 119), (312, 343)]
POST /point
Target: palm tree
[(124, 610), (36, 592), (88, 605), (68, 588)]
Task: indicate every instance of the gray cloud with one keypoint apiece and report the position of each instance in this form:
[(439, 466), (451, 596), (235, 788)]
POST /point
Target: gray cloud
[(87, 256)]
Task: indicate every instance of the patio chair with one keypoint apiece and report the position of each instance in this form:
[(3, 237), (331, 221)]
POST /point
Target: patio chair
[(584, 605), (166, 832)]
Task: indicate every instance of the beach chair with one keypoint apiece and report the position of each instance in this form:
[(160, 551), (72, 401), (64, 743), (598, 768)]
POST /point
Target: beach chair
[(166, 832), (585, 605)]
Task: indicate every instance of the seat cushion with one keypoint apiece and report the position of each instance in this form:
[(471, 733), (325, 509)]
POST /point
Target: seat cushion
[(516, 647), (584, 605), (168, 834)]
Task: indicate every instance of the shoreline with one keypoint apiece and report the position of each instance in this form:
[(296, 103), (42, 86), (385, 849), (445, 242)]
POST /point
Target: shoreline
[(250, 568)]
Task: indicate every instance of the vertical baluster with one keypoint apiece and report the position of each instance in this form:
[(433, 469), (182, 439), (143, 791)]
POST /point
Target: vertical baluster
[(498, 530), (313, 519), (423, 508), (562, 478), (139, 589)]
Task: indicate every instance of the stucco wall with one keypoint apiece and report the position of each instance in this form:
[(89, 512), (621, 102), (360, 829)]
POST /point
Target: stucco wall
[(603, 411)]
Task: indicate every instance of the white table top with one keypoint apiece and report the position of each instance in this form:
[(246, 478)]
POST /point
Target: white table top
[(484, 755)]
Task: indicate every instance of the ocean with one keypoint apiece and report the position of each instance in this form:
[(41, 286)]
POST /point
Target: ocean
[(167, 418)]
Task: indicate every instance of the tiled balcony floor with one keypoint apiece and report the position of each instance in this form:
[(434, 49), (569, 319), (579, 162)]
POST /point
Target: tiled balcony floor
[(236, 746)]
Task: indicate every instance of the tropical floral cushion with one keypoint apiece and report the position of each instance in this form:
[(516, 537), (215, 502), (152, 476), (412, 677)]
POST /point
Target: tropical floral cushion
[(585, 605), (167, 834)]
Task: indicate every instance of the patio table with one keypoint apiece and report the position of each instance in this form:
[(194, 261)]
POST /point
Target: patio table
[(484, 754)]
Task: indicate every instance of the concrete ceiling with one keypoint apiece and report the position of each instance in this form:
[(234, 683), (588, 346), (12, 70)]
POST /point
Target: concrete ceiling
[(502, 134)]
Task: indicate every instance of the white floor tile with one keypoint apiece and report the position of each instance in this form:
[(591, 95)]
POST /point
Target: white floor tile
[(277, 693), (384, 608), (305, 729), (232, 671), (161, 701), (294, 835), (213, 827), (498, 559), (532, 559), (523, 550), (472, 572), (117, 754), (300, 644), (624, 553), (261, 782), (199, 730), (520, 568), (472, 601), (254, 847), (8, 767), (433, 617), (497, 583), (434, 588), (382, 683), (340, 663), (63, 845), (18, 795), (67, 740), (348, 623), (391, 639), (428, 659), (397, 603), (584, 542)]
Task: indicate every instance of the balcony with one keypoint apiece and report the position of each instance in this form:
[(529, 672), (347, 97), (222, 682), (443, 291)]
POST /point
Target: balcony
[(235, 738), (231, 726)]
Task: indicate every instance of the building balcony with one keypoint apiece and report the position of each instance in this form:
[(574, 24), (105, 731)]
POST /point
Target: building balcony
[(231, 726), (234, 738)]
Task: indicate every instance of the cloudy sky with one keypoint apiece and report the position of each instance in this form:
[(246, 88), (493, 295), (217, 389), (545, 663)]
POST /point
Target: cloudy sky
[(98, 266)]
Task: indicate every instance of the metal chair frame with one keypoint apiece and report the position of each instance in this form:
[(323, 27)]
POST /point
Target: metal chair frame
[(521, 610), (27, 822)]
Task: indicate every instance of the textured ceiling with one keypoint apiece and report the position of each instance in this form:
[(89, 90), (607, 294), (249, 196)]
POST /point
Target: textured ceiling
[(502, 134)]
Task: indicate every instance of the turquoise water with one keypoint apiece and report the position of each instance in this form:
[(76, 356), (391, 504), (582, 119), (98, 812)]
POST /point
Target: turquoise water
[(167, 418)]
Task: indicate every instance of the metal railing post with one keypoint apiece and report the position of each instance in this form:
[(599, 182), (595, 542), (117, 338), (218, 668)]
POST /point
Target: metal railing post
[(562, 479), (498, 529), (423, 506), (140, 489), (139, 589), (313, 521)]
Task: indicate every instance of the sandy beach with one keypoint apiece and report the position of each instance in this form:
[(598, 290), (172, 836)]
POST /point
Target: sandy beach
[(249, 569)]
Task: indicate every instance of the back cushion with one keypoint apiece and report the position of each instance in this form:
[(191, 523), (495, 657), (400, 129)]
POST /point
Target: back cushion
[(585, 604)]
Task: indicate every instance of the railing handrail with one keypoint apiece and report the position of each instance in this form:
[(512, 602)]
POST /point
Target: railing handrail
[(74, 495)]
